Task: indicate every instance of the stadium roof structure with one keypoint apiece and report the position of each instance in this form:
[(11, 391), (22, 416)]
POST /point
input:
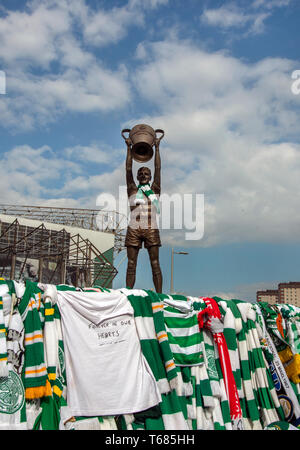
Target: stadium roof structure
[(89, 219), (61, 257), (62, 243)]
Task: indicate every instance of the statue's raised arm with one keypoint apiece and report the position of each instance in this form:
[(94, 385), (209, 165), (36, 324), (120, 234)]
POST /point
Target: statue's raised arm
[(129, 175), (156, 185)]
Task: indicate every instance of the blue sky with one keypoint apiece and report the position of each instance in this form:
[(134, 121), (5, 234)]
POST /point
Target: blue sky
[(215, 75)]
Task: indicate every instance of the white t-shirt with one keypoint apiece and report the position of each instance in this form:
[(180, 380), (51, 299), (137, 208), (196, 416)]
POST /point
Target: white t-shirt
[(107, 374)]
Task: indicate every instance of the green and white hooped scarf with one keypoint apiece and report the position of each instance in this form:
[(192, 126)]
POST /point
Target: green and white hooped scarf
[(3, 346), (146, 189)]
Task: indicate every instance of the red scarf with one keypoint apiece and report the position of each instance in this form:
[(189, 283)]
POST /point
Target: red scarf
[(210, 318)]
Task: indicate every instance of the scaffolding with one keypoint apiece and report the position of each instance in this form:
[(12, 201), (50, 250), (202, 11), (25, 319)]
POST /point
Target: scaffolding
[(51, 256)]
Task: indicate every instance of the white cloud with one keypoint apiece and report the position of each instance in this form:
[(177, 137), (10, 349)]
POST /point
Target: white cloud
[(34, 99), (93, 185), (106, 26), (147, 3), (270, 4), (226, 16), (45, 177), (230, 16), (249, 20), (42, 176), (92, 153), (47, 53), (231, 134), (111, 26), (32, 37), (50, 71), (240, 96)]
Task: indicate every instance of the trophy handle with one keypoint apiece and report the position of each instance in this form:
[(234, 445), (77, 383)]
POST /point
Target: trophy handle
[(158, 130), (125, 130)]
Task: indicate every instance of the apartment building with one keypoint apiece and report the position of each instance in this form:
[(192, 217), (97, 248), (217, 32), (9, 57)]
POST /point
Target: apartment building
[(288, 293), (269, 296)]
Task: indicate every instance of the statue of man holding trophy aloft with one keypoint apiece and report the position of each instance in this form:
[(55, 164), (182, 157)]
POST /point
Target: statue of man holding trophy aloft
[(143, 201)]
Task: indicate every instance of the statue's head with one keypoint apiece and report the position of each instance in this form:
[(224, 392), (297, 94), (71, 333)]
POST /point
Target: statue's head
[(144, 175)]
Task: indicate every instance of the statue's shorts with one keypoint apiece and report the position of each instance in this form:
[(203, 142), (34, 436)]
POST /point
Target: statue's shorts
[(136, 237)]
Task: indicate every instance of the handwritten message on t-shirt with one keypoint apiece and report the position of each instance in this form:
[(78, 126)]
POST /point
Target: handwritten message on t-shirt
[(110, 331)]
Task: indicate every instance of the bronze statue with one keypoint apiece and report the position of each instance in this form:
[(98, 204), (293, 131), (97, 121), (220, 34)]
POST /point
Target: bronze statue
[(143, 200)]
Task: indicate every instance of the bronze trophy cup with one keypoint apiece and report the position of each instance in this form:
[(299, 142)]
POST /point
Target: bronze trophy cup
[(142, 138)]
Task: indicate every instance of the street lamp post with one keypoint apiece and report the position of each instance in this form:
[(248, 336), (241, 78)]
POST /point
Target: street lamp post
[(172, 267)]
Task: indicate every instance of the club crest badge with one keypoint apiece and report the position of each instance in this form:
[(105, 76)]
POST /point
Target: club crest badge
[(12, 394)]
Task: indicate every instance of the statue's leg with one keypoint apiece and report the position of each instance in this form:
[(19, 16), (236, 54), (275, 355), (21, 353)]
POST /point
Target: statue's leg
[(132, 255), (153, 251)]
